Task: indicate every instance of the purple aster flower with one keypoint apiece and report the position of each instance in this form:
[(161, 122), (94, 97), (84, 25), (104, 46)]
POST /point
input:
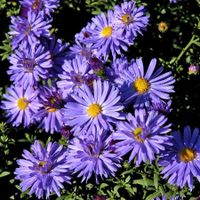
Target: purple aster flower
[(58, 52), (79, 49), (143, 134), (29, 65), (100, 107), (104, 38), (181, 159), (117, 67), (139, 88), (130, 19), (50, 115), (20, 104), (46, 6), (29, 29), (92, 155), (161, 106), (75, 73), (43, 170)]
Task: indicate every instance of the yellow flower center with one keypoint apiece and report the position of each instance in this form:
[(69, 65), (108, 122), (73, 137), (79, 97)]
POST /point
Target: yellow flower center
[(94, 109), (127, 19), (141, 85), (187, 155), (22, 103), (51, 109), (162, 27), (137, 132), (106, 32), (42, 163)]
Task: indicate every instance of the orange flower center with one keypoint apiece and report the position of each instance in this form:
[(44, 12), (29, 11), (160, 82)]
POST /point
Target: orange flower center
[(187, 155), (127, 19)]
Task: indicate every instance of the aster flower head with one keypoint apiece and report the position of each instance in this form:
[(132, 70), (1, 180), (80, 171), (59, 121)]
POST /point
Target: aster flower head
[(130, 20), (181, 159), (43, 170), (99, 107), (58, 52), (117, 67), (143, 134), (92, 155), (29, 65), (104, 38), (20, 104), (79, 49), (28, 29), (36, 6), (75, 73), (50, 114), (140, 89)]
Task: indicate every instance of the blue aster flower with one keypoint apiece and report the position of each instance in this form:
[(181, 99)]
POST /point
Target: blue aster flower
[(58, 52), (181, 159), (75, 73), (46, 6), (99, 106), (92, 155), (50, 115), (130, 19), (140, 89), (104, 38), (43, 170), (20, 104), (28, 29), (143, 134), (79, 49), (29, 65)]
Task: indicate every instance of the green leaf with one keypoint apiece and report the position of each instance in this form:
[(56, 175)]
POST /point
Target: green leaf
[(153, 196), (155, 179), (5, 173)]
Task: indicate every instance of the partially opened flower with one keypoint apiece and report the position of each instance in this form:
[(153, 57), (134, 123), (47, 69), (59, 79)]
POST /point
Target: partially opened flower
[(43, 170), (29, 65), (58, 52), (131, 20), (141, 88), (92, 155), (28, 29), (181, 160), (50, 115), (144, 135), (100, 107), (20, 104), (75, 73)]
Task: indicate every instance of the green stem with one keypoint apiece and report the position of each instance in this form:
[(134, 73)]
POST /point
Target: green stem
[(185, 49)]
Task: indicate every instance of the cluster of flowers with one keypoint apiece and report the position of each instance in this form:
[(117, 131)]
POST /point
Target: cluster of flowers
[(90, 90)]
